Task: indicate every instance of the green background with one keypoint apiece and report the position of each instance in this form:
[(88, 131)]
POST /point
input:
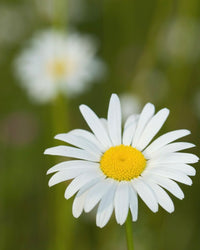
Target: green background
[(146, 56)]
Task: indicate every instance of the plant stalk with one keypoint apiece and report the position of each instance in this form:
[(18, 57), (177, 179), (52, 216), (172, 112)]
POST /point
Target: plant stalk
[(129, 232)]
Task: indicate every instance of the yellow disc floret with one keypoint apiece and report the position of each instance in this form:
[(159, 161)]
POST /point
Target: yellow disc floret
[(122, 163), (58, 68)]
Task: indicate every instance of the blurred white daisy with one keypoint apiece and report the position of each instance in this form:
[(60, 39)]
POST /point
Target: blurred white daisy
[(130, 104), (114, 167), (12, 26), (56, 62), (179, 39)]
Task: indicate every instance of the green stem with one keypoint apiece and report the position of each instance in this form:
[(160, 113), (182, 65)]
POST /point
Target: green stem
[(129, 232), (60, 14), (63, 221)]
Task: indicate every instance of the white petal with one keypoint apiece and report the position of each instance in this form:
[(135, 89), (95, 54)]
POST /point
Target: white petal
[(146, 194), (96, 125), (187, 169), (146, 115), (79, 142), (89, 136), (68, 174), (80, 181), (105, 208), (78, 204), (133, 203), (163, 198), (95, 194), (174, 158), (79, 200), (172, 147), (172, 174), (129, 129), (75, 164), (121, 202), (131, 119), (168, 184), (164, 140), (152, 128), (114, 120), (104, 123), (71, 152)]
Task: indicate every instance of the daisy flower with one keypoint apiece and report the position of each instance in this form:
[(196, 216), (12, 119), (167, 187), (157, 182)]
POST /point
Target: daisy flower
[(58, 63), (114, 167)]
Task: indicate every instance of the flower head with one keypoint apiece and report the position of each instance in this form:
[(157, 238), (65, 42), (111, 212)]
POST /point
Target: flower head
[(56, 62), (115, 167)]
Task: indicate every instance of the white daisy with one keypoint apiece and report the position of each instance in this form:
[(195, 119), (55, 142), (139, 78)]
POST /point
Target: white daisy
[(114, 167), (56, 62)]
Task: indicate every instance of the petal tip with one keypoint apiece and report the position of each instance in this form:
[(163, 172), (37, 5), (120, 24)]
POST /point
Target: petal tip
[(87, 209), (67, 195), (50, 183), (48, 171), (155, 210), (166, 110), (82, 106), (46, 151), (188, 132), (57, 136), (99, 225), (149, 104), (75, 215), (114, 95), (171, 210)]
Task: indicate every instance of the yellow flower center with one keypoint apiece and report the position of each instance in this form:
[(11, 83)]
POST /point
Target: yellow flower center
[(122, 163), (59, 67)]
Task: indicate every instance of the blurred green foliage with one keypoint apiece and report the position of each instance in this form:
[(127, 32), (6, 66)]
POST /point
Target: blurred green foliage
[(147, 55)]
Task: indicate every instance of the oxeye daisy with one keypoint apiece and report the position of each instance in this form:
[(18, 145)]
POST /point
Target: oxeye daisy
[(56, 62), (114, 166)]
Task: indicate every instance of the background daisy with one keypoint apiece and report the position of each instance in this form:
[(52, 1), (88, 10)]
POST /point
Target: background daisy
[(130, 104), (55, 63)]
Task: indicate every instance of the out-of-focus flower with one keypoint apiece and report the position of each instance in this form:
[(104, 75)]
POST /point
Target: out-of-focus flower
[(179, 39), (18, 129), (113, 168), (58, 63), (130, 104), (12, 25)]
